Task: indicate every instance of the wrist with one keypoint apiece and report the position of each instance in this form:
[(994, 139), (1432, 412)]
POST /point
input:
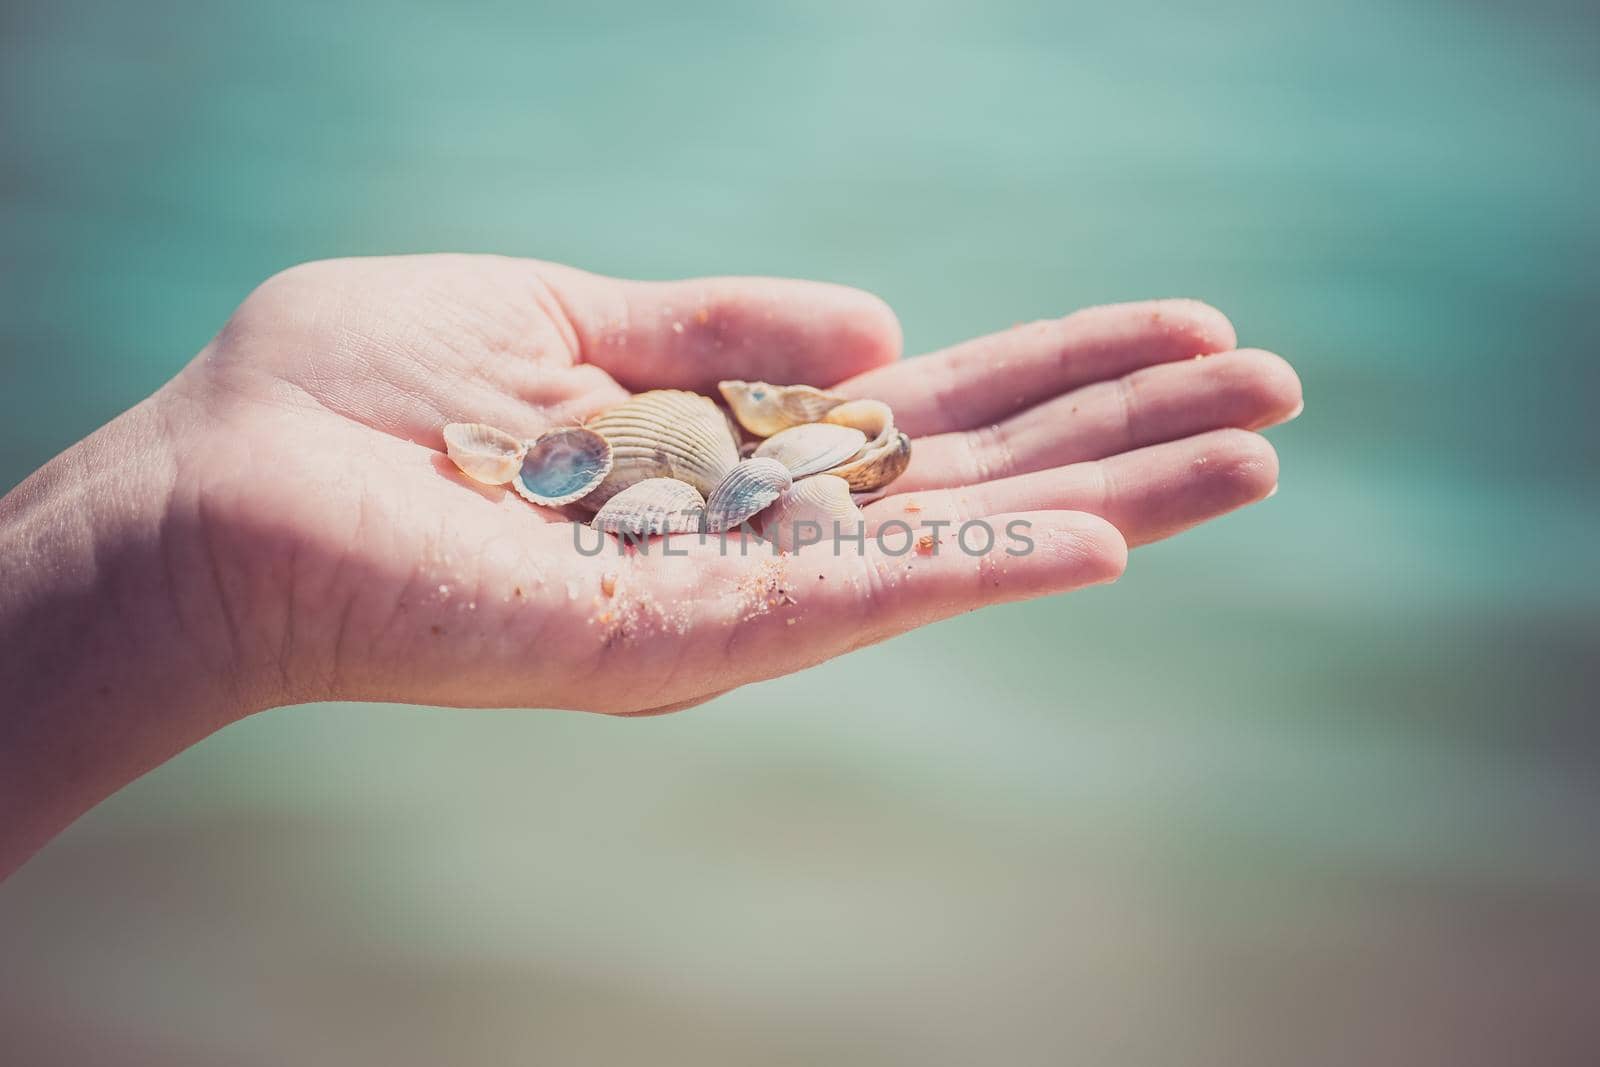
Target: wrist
[(107, 665)]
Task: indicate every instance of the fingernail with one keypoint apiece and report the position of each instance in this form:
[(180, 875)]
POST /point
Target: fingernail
[(1271, 492), (1295, 414)]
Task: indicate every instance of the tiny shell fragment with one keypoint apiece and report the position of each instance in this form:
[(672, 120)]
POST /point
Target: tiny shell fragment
[(482, 452)]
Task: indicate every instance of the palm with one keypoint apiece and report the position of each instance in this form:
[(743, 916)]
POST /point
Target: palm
[(398, 579)]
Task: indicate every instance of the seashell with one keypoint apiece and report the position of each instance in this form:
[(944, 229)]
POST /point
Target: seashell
[(887, 453), (823, 499), (748, 488), (764, 409), (652, 506), (483, 453), (871, 417), (563, 465), (813, 448), (665, 433), (880, 463)]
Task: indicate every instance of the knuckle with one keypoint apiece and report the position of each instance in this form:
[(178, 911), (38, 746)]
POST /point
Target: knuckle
[(281, 297), (291, 280), (1127, 406), (991, 452)]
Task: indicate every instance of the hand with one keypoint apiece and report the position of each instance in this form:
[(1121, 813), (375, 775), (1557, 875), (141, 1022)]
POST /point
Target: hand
[(313, 542)]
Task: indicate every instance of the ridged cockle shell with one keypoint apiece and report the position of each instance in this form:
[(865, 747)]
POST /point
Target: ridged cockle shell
[(665, 433), (653, 506), (823, 500), (748, 488)]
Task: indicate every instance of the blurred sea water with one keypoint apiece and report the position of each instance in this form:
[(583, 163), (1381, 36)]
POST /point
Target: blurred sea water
[(1319, 783)]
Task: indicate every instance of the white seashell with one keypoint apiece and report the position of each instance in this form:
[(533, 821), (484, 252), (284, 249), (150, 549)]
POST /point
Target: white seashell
[(483, 453), (813, 448), (748, 488), (880, 463), (653, 506), (764, 409), (563, 465), (665, 433), (822, 499), (871, 417), (888, 451)]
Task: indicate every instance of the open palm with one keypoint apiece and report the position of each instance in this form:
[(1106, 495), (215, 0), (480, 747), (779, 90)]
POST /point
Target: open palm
[(351, 561)]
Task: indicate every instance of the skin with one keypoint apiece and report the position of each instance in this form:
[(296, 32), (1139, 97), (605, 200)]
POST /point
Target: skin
[(279, 524)]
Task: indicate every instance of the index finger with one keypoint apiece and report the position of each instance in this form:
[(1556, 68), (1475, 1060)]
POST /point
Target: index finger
[(694, 333)]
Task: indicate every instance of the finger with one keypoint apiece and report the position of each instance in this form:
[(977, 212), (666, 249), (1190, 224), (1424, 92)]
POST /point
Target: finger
[(1148, 494), (984, 380), (1246, 389), (742, 618), (523, 614), (672, 708), (912, 579), (692, 334)]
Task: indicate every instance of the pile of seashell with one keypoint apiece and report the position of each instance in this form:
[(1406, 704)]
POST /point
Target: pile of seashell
[(670, 461)]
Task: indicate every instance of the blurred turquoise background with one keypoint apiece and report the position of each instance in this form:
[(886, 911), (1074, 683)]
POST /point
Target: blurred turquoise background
[(1318, 784)]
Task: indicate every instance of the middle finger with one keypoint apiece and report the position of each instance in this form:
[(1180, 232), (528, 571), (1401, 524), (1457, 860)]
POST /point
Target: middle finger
[(1247, 390)]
